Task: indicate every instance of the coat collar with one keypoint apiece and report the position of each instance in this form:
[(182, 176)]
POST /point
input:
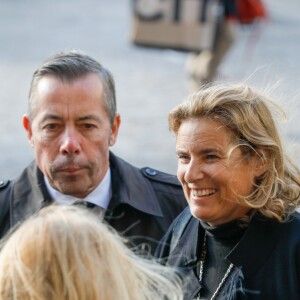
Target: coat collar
[(29, 194), (185, 255), (187, 249), (129, 186)]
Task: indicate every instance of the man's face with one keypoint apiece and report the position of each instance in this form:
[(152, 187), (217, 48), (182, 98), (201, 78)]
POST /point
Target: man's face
[(71, 133)]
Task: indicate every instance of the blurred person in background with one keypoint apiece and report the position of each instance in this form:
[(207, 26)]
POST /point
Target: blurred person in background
[(71, 124), (202, 68), (67, 253), (240, 236)]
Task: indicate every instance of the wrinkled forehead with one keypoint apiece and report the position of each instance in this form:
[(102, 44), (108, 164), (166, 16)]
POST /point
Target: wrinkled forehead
[(54, 90)]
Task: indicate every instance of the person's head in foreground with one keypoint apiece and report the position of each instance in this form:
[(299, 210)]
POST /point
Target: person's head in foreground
[(230, 155), (64, 252)]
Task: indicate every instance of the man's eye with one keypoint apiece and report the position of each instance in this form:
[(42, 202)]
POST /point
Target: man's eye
[(183, 158), (88, 126), (51, 126)]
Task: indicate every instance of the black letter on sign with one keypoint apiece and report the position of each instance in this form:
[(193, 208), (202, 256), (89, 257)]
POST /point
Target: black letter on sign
[(177, 10), (147, 10)]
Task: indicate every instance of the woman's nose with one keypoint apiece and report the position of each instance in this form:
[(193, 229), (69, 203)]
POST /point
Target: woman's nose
[(193, 172)]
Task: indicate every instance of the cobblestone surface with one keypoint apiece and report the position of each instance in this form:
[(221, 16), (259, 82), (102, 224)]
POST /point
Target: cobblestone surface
[(149, 82)]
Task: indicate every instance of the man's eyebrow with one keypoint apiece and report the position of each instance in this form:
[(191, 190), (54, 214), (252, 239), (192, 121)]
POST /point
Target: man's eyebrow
[(90, 117), (83, 118), (51, 116)]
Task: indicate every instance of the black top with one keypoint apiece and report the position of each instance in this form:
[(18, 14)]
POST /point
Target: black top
[(266, 259), (219, 242)]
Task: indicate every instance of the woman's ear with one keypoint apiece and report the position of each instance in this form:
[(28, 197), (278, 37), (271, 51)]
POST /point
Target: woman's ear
[(260, 162)]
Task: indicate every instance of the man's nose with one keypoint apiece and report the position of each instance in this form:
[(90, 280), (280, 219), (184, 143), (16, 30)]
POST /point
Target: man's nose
[(70, 142)]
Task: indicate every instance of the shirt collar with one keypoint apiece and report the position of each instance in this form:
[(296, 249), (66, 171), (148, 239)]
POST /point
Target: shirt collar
[(100, 196)]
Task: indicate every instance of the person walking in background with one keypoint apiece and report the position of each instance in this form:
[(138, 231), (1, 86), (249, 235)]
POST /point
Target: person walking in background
[(240, 236), (67, 253), (71, 125), (202, 68)]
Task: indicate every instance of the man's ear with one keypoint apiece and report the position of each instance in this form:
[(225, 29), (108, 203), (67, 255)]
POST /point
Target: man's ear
[(27, 127), (114, 130)]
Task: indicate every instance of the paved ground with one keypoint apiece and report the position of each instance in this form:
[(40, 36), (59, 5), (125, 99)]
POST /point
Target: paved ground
[(149, 82)]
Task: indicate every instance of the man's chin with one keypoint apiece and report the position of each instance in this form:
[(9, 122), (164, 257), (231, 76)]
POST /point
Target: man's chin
[(73, 188)]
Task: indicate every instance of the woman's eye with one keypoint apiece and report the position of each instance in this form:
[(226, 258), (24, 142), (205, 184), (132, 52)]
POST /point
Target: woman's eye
[(211, 157)]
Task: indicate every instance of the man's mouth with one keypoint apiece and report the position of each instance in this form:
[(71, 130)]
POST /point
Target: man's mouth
[(70, 169)]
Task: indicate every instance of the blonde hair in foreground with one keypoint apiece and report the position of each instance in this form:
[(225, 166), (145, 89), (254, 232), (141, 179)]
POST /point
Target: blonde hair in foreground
[(250, 116), (65, 253)]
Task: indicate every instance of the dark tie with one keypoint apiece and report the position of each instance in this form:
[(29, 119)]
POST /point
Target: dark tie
[(98, 210)]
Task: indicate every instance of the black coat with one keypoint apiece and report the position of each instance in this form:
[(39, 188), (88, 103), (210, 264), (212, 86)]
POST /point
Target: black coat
[(268, 255), (143, 205)]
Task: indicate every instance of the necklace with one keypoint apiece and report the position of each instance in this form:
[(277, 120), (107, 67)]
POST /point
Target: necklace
[(202, 260)]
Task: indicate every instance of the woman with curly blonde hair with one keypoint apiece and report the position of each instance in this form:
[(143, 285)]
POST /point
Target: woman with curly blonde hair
[(240, 236), (66, 253)]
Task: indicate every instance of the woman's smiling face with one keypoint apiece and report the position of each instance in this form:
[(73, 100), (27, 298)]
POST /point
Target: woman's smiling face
[(213, 173)]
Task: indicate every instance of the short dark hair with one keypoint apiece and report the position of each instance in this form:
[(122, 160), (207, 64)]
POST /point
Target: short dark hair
[(71, 66)]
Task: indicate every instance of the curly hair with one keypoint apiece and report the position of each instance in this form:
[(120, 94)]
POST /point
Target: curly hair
[(250, 115)]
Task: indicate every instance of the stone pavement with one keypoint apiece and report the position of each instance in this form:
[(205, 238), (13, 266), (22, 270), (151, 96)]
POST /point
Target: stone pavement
[(149, 82)]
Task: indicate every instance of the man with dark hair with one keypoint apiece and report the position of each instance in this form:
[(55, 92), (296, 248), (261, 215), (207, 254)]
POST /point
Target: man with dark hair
[(71, 124)]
